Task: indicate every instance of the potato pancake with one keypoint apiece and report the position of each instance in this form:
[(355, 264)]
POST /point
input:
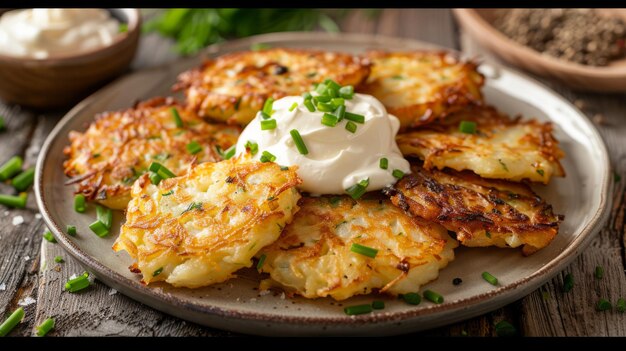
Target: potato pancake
[(482, 212), (313, 255), (420, 86), (118, 147), (198, 229), (492, 145), (234, 87)]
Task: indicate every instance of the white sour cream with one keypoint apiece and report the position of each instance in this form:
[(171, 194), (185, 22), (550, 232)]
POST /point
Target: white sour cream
[(337, 159), (42, 33)]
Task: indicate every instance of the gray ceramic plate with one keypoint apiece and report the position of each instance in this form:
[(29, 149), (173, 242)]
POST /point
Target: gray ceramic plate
[(583, 197)]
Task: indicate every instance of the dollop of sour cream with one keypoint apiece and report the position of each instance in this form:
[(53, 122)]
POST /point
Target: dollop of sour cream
[(42, 33), (337, 159)]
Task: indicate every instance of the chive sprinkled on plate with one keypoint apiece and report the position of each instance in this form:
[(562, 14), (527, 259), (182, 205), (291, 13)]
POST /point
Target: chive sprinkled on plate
[(467, 127), (505, 329), (10, 168), (177, 120), (79, 203), (603, 305), (104, 215), (568, 282), (2, 124), (358, 309), (59, 259), (49, 237), (364, 250), (267, 156), (620, 306), (13, 320), (433, 296), (259, 264), (23, 180), (45, 327), (490, 278), (599, 273), (71, 230), (351, 127), (14, 201), (193, 147), (412, 298), (99, 228), (79, 283), (378, 305), (297, 139)]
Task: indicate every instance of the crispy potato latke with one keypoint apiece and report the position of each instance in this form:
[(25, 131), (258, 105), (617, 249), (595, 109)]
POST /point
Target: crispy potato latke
[(420, 86), (198, 229), (234, 87), (313, 255), (499, 148), (118, 147), (482, 212)]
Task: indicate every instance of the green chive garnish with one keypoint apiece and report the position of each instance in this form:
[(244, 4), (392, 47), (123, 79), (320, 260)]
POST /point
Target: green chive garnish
[(268, 124), (267, 106), (161, 170), (99, 228), (14, 201), (192, 206), (12, 167), (267, 156), (351, 127), (45, 327), (14, 319), (177, 119), (467, 127), (104, 215), (48, 236), (321, 89), (397, 173), (620, 306), (412, 298), (490, 278), (259, 265), (603, 305), (23, 180), (193, 147), (329, 120), (297, 139), (79, 283), (364, 250), (331, 84), (293, 106), (347, 92), (154, 178), (568, 282), (340, 112), (79, 203), (325, 107), (540, 172), (338, 102), (71, 230), (433, 296), (358, 189), (157, 272), (122, 28), (599, 272), (260, 46), (309, 105), (354, 117), (504, 329), (168, 193), (378, 305), (358, 309), (228, 154), (59, 259), (383, 163), (252, 146), (307, 96), (1, 123), (321, 98)]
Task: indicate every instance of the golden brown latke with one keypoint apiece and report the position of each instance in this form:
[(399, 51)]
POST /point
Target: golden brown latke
[(420, 86), (502, 147), (234, 87), (118, 147), (198, 229), (313, 255), (482, 212)]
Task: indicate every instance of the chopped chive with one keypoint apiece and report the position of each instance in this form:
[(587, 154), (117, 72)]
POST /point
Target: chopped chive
[(45, 327), (12, 167), (503, 165), (347, 92), (14, 319), (397, 173), (599, 272), (48, 236), (79, 283), (325, 107), (620, 306), (267, 156), (603, 305), (168, 193), (467, 127), (358, 309), (154, 178), (230, 152), (157, 272), (412, 298), (177, 119), (59, 259), (14, 201), (193, 147), (79, 203), (252, 146), (104, 215), (340, 112), (321, 98), (260, 46), (351, 127), (321, 89), (161, 170), (297, 139), (293, 106), (332, 84), (267, 106), (504, 329), (354, 117), (284, 168), (357, 190), (568, 282), (540, 172), (363, 250), (329, 120), (383, 163), (490, 278), (265, 115), (71, 230), (23, 180), (309, 105), (2, 123), (307, 96), (433, 296), (338, 102), (192, 206), (122, 28), (99, 228), (378, 305), (268, 124), (259, 265)]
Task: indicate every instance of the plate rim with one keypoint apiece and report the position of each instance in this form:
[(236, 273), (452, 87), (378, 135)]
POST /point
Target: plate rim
[(504, 294)]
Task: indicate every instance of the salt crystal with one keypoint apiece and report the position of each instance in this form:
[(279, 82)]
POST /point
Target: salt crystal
[(17, 220), (282, 296), (38, 216), (6, 213), (26, 301), (26, 258), (3, 287), (112, 292)]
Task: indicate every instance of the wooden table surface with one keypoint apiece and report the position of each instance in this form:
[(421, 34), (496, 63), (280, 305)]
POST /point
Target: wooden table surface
[(25, 281)]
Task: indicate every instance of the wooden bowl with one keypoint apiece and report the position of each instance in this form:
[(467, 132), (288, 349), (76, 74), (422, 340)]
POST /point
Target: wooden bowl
[(61, 81), (478, 24)]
